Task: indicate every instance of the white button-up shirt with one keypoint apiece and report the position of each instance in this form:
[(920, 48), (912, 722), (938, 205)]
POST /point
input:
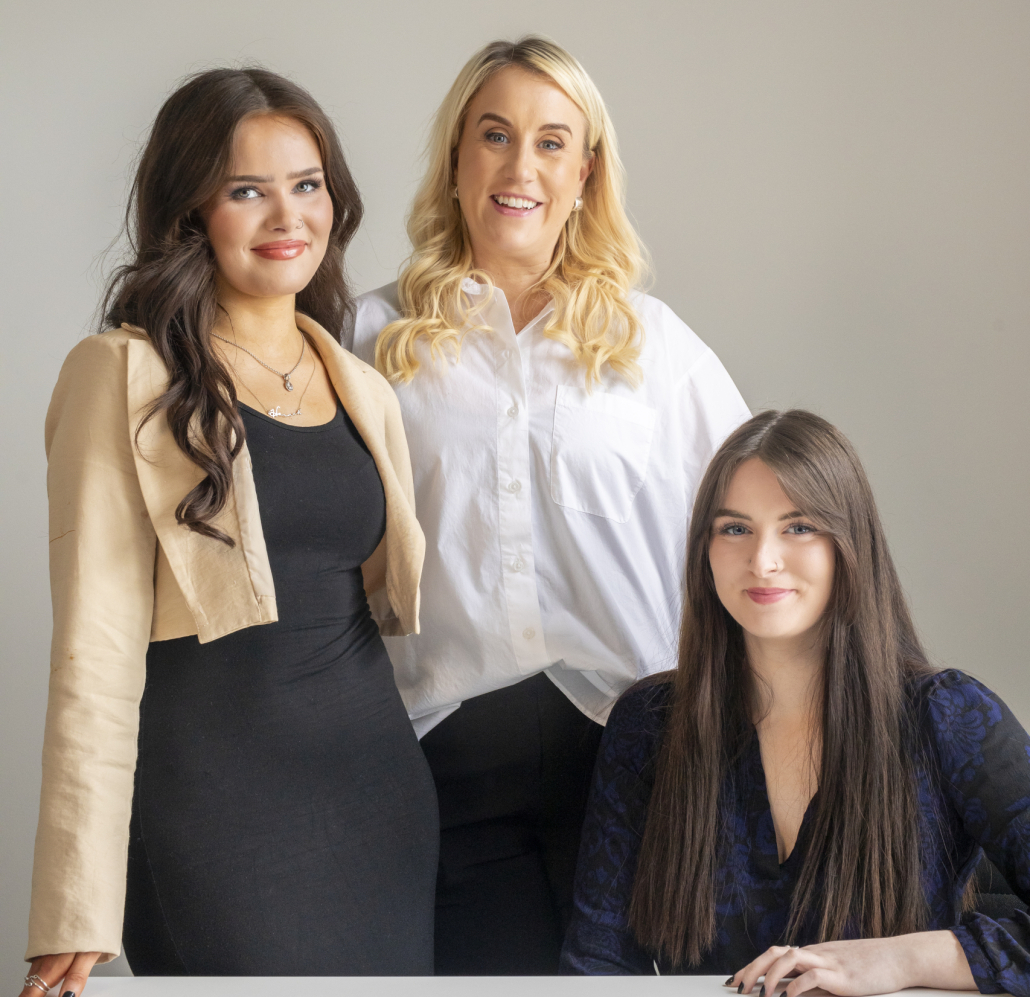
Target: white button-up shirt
[(555, 517)]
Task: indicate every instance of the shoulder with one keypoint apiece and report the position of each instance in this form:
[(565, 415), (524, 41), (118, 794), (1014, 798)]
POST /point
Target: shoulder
[(637, 721), (99, 362), (102, 351), (373, 311), (362, 376), (959, 713), (669, 342), (93, 386), (950, 690)]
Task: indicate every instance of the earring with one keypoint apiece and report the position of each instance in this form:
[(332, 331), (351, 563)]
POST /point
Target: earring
[(578, 204), (454, 191)]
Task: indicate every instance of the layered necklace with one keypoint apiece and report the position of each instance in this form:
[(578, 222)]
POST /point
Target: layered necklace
[(276, 412)]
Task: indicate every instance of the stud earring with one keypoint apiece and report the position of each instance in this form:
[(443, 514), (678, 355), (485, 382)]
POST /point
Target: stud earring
[(578, 205), (454, 191)]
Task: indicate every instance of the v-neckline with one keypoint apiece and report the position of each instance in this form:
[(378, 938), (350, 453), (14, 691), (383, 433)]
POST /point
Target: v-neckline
[(761, 787)]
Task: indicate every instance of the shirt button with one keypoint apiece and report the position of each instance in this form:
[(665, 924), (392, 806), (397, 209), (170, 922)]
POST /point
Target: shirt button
[(513, 411), (518, 564), (515, 486), (529, 633)]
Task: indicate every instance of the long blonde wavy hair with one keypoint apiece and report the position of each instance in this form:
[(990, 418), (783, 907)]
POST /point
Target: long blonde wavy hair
[(597, 261)]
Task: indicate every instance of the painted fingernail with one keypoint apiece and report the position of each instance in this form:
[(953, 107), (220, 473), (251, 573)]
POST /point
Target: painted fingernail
[(728, 982), (761, 993), (68, 993), (740, 989)]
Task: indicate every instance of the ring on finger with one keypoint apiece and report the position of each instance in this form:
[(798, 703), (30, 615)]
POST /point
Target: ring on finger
[(35, 980)]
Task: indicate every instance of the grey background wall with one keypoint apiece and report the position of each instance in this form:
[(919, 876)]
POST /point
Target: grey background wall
[(835, 194)]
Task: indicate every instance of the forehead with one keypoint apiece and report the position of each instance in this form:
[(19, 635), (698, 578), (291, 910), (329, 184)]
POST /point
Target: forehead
[(754, 488), (269, 139), (527, 99)]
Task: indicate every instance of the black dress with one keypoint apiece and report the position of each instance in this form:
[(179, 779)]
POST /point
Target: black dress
[(284, 820)]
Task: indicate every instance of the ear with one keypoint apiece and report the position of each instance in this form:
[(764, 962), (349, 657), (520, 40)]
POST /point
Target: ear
[(584, 171)]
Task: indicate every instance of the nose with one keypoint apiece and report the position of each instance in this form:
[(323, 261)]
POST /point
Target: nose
[(282, 216), (521, 168), (767, 558)]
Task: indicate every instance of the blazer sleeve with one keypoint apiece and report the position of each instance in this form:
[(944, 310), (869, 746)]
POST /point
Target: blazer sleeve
[(374, 570), (102, 559), (984, 756)]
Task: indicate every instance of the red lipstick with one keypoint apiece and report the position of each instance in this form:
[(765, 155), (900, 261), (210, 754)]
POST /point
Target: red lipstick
[(765, 596), (284, 249)]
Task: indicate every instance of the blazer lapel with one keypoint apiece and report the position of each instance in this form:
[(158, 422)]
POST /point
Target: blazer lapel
[(225, 588)]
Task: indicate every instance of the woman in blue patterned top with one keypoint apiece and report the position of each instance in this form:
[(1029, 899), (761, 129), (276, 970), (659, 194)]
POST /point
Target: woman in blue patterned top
[(804, 798)]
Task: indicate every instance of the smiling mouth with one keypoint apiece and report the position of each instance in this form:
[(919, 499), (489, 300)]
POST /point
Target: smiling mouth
[(515, 203), (764, 596), (284, 249)]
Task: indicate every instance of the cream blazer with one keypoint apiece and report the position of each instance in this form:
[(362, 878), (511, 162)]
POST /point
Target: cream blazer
[(123, 573)]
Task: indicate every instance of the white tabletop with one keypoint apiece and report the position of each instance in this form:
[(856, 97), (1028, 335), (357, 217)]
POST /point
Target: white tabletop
[(424, 986)]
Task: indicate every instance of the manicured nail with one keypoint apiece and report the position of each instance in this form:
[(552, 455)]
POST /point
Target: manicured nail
[(728, 982), (740, 989), (761, 993), (68, 993)]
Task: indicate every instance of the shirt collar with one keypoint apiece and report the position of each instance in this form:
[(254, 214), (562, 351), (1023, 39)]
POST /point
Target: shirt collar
[(471, 287)]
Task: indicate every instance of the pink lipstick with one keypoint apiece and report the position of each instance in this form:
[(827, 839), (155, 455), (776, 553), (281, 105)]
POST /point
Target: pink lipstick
[(284, 249), (765, 596)]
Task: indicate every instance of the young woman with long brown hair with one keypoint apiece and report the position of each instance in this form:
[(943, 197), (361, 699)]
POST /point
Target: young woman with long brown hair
[(804, 796), (231, 515)]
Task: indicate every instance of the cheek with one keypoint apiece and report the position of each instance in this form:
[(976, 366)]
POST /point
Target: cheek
[(227, 231), (470, 168), (819, 565), (320, 215), (724, 565)]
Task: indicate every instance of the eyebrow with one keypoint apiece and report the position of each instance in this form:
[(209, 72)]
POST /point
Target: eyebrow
[(733, 514), (553, 126), (251, 178)]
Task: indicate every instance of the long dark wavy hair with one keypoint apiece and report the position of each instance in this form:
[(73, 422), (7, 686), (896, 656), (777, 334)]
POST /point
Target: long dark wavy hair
[(168, 288), (862, 867)]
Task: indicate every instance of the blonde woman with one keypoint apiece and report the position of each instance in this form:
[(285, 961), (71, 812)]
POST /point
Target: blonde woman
[(559, 421)]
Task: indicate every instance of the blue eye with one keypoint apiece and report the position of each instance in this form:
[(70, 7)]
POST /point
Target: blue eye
[(496, 137), (799, 529), (551, 145), (245, 194), (733, 530)]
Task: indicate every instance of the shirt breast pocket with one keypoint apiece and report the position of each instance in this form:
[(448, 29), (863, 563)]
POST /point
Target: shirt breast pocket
[(600, 448)]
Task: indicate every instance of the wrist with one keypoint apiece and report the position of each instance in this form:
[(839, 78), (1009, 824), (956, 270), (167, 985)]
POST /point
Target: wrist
[(936, 959)]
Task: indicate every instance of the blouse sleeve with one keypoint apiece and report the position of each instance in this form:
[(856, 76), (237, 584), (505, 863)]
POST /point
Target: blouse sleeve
[(599, 941), (984, 756)]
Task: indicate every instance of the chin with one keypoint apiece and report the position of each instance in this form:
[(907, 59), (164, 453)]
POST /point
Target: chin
[(278, 287)]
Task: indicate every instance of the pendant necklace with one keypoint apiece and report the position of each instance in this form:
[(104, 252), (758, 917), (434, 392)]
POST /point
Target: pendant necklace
[(275, 413), (285, 376)]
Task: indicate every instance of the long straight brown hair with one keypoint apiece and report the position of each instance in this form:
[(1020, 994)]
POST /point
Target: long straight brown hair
[(862, 868), (168, 288)]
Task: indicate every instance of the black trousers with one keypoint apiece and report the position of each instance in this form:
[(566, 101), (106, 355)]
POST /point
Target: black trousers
[(512, 771)]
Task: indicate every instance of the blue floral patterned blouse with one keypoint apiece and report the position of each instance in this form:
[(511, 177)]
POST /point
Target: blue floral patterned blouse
[(978, 798)]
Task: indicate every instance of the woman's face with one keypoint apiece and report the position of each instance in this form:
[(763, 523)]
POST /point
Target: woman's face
[(520, 167), (773, 569), (269, 225)]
